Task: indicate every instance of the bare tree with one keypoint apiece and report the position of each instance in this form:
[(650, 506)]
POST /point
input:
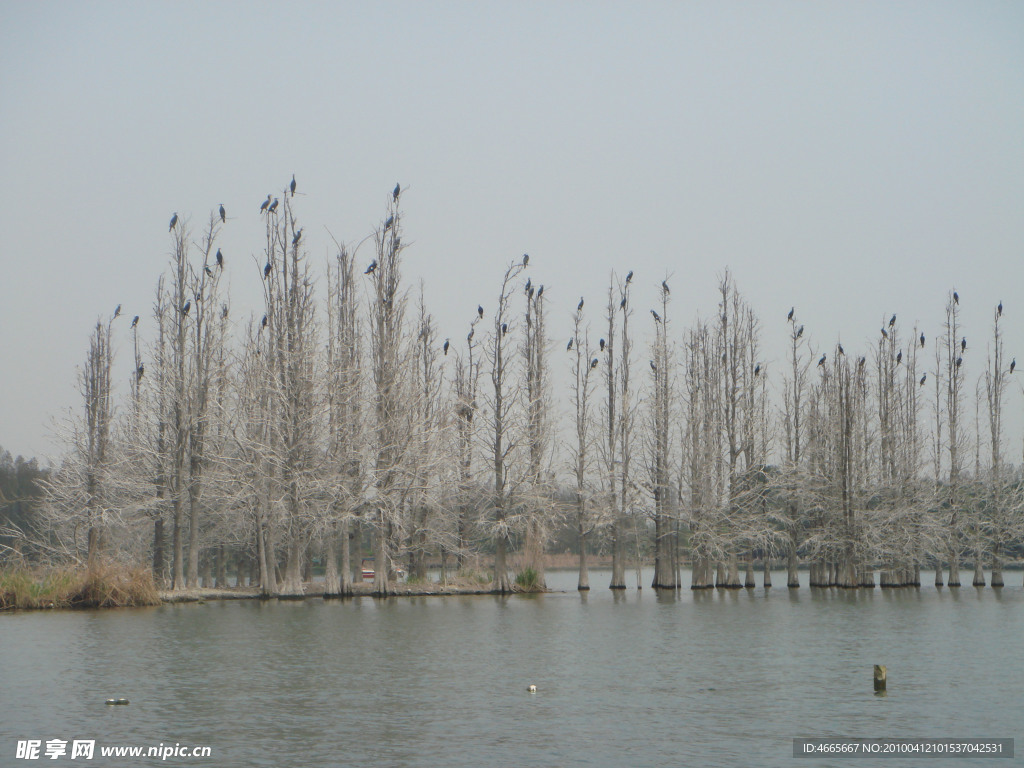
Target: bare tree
[(658, 450), (584, 367)]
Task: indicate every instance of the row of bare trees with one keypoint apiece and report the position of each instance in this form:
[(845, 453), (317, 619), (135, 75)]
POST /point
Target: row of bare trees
[(321, 428)]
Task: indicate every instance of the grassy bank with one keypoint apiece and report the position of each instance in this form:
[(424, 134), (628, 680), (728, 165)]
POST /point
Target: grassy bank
[(104, 586)]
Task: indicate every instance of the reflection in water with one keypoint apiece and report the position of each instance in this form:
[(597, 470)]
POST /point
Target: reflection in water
[(622, 679)]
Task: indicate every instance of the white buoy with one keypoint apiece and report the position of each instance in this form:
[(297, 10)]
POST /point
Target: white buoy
[(531, 688), (121, 702)]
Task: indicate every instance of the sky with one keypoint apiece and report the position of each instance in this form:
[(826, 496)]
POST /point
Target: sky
[(852, 160)]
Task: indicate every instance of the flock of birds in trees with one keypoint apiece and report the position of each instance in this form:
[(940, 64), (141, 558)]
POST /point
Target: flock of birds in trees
[(270, 205)]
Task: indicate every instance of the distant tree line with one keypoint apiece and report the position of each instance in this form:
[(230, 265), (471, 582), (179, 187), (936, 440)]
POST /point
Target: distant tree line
[(338, 417)]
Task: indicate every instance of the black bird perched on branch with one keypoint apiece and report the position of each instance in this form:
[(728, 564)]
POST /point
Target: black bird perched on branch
[(860, 363), (892, 321), (135, 321), (471, 332), (568, 346), (885, 333), (579, 307), (447, 343), (899, 357), (999, 309), (174, 220), (297, 237), (789, 317), (140, 371), (187, 307), (757, 369), (396, 192), (208, 271), (504, 328), (266, 270), (664, 286), (529, 285), (629, 277), (602, 345), (526, 259), (223, 214), (540, 291), (922, 381), (389, 222), (956, 297), (963, 344), (224, 311), (273, 207), (593, 364), (1013, 364), (479, 311), (266, 204), (370, 269), (654, 367), (220, 259), (839, 349), (117, 311), (821, 362), (959, 362), (800, 332), (263, 322), (657, 317), (622, 304), (922, 340), (292, 185)]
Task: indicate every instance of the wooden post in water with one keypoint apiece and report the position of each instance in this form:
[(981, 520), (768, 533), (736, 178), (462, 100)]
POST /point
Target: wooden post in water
[(879, 677)]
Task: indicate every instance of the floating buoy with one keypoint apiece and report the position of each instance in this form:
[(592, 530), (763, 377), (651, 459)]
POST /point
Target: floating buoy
[(531, 688), (880, 676), (117, 701)]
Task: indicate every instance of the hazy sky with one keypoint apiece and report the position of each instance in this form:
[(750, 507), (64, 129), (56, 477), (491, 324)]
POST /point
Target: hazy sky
[(852, 159)]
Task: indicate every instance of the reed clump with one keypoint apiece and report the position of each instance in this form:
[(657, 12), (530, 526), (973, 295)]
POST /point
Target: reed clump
[(104, 585)]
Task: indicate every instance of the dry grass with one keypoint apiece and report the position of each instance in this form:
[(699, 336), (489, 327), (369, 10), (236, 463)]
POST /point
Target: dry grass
[(104, 586)]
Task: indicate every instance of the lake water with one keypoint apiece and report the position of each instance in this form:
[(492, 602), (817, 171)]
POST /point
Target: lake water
[(712, 678)]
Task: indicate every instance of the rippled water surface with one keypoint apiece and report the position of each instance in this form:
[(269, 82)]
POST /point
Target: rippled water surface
[(628, 679)]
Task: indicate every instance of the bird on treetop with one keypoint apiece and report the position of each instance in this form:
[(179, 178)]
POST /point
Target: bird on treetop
[(999, 309), (568, 346), (297, 237), (839, 349), (292, 185), (135, 321), (956, 297), (923, 379), (447, 343), (629, 277), (579, 307), (593, 364), (174, 220), (187, 307), (396, 192), (1013, 364), (504, 328), (266, 270), (821, 362), (540, 291), (664, 286), (657, 317), (602, 345), (963, 344), (959, 362), (273, 207), (266, 204), (220, 259), (899, 357), (800, 332), (389, 222), (622, 304), (480, 311), (790, 315), (892, 321), (117, 311), (922, 339), (757, 369), (885, 333), (371, 268), (526, 259), (223, 214), (208, 271)]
